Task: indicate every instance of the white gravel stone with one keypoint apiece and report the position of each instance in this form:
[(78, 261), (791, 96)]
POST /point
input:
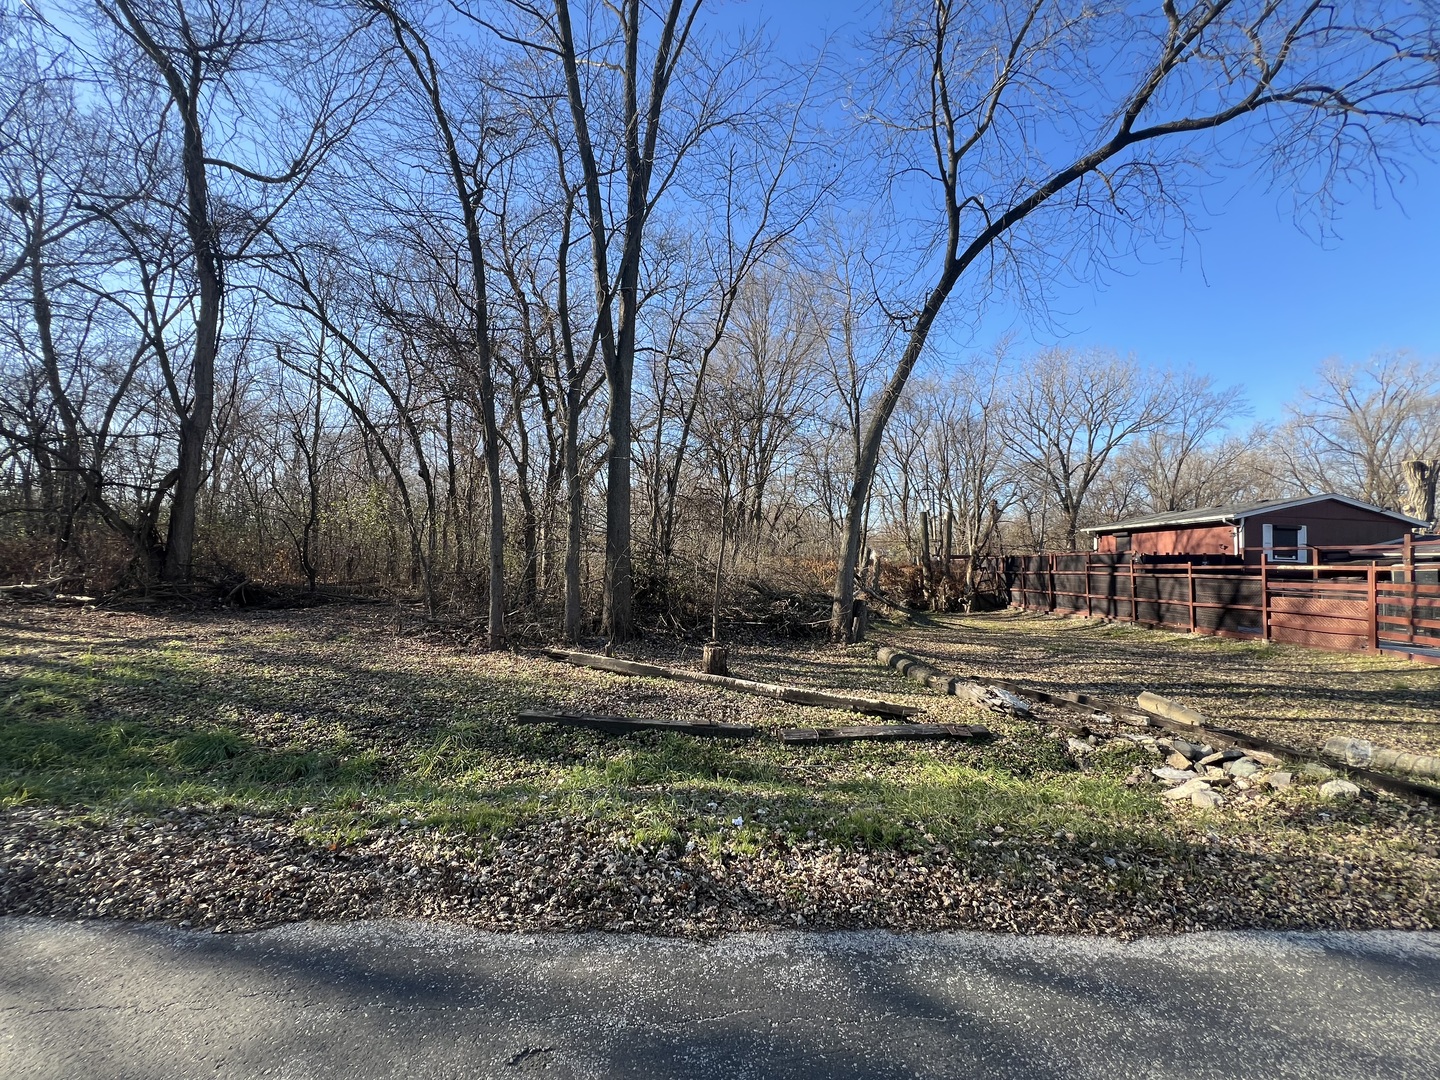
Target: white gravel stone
[(1338, 789)]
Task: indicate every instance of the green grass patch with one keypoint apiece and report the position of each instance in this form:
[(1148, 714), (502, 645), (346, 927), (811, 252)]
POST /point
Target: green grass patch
[(362, 733)]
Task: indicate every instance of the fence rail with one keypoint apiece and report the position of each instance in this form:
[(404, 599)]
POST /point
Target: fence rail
[(1347, 607)]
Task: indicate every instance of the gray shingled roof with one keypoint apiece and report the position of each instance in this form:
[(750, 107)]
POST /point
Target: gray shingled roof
[(1237, 511)]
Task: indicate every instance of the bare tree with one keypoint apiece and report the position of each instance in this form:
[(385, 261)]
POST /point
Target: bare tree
[(975, 459), (763, 392), (1040, 153), (229, 75), (1353, 430), (1070, 415), (640, 134), (464, 150), (1189, 461), (80, 302), (641, 98)]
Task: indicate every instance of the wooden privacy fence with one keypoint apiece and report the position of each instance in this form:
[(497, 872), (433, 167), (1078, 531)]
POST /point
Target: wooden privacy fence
[(1349, 607)]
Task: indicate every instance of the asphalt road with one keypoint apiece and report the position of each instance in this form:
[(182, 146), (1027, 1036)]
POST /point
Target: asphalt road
[(417, 1000)]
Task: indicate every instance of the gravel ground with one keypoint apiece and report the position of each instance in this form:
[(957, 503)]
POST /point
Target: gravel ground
[(237, 771), (204, 870)]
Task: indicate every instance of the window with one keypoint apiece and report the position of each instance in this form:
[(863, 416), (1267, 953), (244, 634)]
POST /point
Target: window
[(1286, 543), (1122, 543)]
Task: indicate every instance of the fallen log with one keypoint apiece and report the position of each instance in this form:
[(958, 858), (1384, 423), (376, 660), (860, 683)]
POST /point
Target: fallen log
[(46, 591), (1081, 703), (884, 732), (621, 725), (916, 670), (792, 694), (1359, 752), (1219, 737), (1077, 703)]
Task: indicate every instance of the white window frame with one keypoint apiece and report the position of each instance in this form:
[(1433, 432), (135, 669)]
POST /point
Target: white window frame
[(1302, 543)]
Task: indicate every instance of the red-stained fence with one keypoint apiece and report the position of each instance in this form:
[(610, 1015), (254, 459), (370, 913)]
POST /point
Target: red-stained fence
[(1350, 607)]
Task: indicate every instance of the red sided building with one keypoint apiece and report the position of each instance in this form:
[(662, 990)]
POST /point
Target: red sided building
[(1283, 531)]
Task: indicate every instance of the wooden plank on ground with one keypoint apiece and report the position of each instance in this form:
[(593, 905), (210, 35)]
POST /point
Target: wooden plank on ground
[(621, 725), (884, 732), (793, 694)]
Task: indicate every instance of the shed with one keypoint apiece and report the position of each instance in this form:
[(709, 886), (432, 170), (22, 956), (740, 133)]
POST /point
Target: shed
[(1285, 530)]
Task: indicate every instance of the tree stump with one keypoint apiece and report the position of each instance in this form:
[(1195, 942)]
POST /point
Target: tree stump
[(716, 660)]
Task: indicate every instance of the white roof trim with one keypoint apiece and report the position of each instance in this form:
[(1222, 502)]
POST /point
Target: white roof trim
[(1200, 517)]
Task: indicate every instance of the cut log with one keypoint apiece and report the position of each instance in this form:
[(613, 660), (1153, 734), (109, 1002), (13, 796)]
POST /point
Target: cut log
[(793, 694), (884, 732), (1170, 710), (1081, 703), (620, 725)]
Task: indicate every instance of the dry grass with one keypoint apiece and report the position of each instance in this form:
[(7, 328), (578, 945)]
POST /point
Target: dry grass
[(239, 768)]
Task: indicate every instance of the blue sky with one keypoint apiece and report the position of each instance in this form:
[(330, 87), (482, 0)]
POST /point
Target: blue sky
[(1251, 299), (1258, 302)]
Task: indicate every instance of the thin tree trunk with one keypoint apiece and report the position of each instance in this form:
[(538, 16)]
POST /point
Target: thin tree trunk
[(70, 452)]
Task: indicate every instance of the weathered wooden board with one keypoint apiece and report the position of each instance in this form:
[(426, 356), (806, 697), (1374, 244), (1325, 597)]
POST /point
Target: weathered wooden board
[(884, 732), (621, 725), (793, 694)]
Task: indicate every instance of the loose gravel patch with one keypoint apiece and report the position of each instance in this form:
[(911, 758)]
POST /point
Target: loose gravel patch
[(229, 874)]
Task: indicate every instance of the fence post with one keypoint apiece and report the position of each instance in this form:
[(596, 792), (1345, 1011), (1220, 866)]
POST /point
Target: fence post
[(1050, 581), (1133, 609), (1371, 576), (1264, 597), (1414, 592), (1089, 611)]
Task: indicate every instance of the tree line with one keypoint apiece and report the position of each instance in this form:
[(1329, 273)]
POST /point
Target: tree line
[(1020, 454), (541, 307)]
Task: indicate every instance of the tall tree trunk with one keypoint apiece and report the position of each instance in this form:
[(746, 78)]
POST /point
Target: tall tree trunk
[(641, 135), (470, 196), (575, 506), (206, 259), (868, 459), (927, 576), (618, 617), (1420, 482), (574, 379)]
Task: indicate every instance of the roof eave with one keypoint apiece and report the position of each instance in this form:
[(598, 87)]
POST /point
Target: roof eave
[(1143, 523)]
